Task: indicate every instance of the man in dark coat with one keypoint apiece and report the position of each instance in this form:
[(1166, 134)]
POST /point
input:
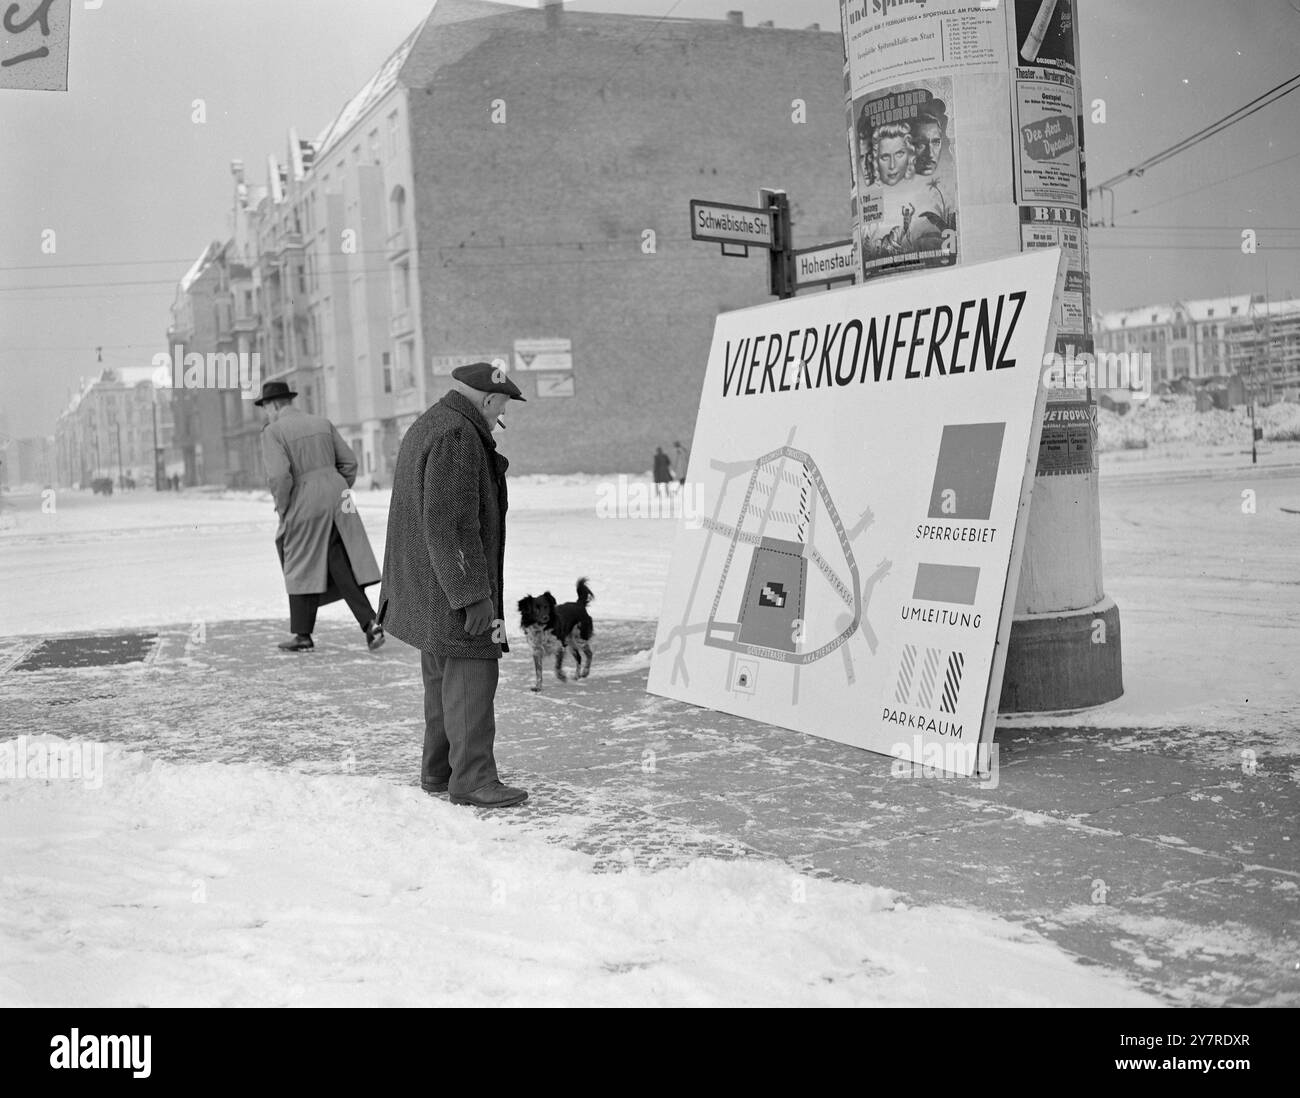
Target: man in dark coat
[(663, 471), (443, 576), (322, 543)]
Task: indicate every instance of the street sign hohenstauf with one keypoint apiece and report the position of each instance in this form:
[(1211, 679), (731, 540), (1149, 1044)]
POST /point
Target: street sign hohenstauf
[(725, 223), (825, 263)]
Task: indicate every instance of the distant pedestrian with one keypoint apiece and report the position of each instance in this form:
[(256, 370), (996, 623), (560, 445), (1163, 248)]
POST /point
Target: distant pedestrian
[(321, 541), (444, 567), (176, 482), (682, 454), (663, 471)]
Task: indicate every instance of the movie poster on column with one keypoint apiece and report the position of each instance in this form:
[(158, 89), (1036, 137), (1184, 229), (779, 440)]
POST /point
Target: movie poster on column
[(1045, 103), (907, 177), (1049, 148)]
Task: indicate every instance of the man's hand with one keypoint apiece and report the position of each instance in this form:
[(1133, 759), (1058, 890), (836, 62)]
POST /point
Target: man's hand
[(478, 617)]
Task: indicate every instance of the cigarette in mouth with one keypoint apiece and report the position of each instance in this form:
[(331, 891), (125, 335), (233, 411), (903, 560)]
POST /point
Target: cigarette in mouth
[(1038, 31)]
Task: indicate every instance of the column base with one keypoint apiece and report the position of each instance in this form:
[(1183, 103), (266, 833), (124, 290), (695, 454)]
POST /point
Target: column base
[(1069, 660)]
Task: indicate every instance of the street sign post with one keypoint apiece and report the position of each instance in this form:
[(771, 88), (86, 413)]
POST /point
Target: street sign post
[(825, 264), (725, 223), (767, 225)]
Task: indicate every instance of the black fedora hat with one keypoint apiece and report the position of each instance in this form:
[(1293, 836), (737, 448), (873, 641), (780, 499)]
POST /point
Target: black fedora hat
[(273, 389)]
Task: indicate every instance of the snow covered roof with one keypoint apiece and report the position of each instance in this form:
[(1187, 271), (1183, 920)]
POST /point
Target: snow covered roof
[(379, 85), (204, 259), (1137, 318), (1219, 308), (1197, 311)]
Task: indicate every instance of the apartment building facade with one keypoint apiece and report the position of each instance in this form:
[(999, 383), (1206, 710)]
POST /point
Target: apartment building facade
[(1246, 336), (115, 426), (513, 184)]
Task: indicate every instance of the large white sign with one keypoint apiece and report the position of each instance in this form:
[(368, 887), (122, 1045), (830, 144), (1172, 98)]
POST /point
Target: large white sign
[(863, 460)]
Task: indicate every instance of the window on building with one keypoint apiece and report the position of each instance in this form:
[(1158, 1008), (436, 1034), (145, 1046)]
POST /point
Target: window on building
[(372, 145), (402, 285), (388, 372), (397, 208), (307, 398), (392, 135), (370, 461), (406, 364)]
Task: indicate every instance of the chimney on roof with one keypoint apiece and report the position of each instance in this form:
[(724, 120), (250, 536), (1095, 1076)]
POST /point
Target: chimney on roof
[(554, 10), (736, 18)]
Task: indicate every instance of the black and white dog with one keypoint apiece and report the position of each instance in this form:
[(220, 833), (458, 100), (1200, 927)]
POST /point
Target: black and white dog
[(551, 628)]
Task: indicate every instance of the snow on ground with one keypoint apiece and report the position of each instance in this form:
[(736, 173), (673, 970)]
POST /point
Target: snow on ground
[(1208, 593), (1207, 579), (1161, 420), (147, 558), (212, 883), (230, 885)]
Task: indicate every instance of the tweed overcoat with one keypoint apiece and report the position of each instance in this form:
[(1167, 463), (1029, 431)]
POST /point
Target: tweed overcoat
[(308, 469), (446, 532)]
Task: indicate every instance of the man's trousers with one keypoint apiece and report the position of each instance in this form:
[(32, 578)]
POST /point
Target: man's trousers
[(459, 721), (302, 608)]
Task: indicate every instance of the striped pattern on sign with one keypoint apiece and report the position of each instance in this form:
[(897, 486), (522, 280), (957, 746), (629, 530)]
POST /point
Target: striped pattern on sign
[(929, 673), (924, 671), (905, 669), (952, 682)]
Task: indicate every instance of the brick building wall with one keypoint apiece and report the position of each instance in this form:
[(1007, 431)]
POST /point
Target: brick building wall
[(533, 228)]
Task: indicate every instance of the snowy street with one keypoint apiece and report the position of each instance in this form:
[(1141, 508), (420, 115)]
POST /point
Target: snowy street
[(247, 827)]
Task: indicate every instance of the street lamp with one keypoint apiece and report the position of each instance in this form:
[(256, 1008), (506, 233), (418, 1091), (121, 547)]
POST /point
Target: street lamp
[(157, 450), (121, 480)]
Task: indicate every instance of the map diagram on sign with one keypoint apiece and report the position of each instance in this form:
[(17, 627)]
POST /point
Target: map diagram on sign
[(777, 581)]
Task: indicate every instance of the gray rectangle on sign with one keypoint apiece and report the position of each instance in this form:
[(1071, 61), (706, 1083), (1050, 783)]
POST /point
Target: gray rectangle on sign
[(954, 583), (967, 471)]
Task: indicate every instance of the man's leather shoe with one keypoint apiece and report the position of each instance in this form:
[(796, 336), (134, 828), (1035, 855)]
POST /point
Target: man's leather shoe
[(492, 795), (434, 787), (300, 643), (374, 636)]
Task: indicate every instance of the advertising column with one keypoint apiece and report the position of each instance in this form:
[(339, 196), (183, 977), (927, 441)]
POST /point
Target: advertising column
[(965, 134)]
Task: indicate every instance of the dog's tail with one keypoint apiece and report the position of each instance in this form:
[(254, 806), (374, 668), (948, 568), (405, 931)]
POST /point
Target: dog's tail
[(585, 594)]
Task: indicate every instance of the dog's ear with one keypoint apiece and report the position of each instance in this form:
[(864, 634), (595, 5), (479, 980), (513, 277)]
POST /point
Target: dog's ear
[(524, 603)]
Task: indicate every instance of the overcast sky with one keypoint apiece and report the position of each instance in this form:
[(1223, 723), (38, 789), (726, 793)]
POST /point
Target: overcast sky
[(135, 190)]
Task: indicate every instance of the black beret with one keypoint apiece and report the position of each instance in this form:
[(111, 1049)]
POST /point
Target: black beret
[(487, 378)]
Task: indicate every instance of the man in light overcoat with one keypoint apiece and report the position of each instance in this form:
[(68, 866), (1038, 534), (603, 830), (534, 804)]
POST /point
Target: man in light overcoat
[(323, 548)]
